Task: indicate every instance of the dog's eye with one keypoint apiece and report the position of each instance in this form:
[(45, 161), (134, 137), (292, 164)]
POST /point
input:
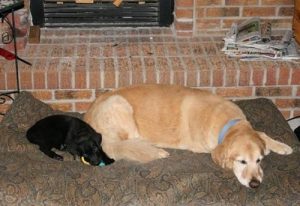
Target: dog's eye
[(243, 162), (258, 161)]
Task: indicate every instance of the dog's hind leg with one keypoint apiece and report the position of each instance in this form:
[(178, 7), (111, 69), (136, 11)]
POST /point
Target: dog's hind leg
[(47, 151), (135, 150), (113, 118)]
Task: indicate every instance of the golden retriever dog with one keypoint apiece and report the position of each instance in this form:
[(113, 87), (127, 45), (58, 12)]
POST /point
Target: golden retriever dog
[(137, 122)]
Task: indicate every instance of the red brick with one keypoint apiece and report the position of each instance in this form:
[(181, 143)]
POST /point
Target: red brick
[(121, 50), (218, 77), (287, 103), (284, 74), (42, 94), (184, 3), (227, 23), (57, 50), (178, 76), (205, 77), (192, 77), (296, 76), (258, 11), (109, 79), (72, 94), (124, 78), (231, 77), (245, 74), (222, 12), (258, 77), (107, 51), (208, 23), (39, 79), (80, 79), (184, 13), (234, 92), (95, 79), (278, 2), (81, 64), (52, 79), (190, 63), (150, 70), (82, 50), (95, 50), (11, 80), (65, 79), (208, 2), (164, 70), (271, 76), (137, 71), (2, 79), (187, 33), (133, 49), (82, 106), (164, 77), (146, 49), (241, 2), (66, 107), (286, 11), (69, 50), (273, 91), (124, 71), (25, 79), (200, 13), (183, 25)]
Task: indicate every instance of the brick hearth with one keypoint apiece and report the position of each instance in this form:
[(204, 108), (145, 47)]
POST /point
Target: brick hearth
[(71, 66)]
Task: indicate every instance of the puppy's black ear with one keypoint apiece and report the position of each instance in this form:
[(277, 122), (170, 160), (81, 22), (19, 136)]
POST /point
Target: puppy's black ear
[(99, 138)]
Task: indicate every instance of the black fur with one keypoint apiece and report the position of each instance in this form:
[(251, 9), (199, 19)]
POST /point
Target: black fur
[(69, 134), (297, 132)]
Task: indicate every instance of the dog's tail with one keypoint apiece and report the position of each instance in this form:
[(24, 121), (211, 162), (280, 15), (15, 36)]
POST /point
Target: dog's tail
[(135, 150)]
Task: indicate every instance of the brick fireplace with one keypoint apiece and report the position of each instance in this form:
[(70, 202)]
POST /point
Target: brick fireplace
[(71, 66)]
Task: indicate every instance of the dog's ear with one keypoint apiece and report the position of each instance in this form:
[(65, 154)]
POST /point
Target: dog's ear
[(99, 136), (221, 157), (274, 146)]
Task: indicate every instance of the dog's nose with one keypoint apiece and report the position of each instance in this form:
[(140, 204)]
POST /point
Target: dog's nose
[(254, 183)]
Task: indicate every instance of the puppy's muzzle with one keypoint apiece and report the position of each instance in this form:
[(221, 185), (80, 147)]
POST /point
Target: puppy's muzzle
[(254, 183)]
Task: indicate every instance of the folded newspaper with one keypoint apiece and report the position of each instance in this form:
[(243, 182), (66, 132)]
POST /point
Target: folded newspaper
[(252, 40)]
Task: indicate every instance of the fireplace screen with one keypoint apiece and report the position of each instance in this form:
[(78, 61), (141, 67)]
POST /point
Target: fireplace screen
[(101, 13)]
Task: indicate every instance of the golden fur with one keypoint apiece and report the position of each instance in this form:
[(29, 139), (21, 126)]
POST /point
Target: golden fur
[(137, 122)]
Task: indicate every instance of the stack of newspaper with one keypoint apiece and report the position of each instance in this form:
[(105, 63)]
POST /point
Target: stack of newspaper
[(252, 40)]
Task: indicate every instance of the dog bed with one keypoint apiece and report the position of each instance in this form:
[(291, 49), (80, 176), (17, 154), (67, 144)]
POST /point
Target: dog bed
[(28, 177)]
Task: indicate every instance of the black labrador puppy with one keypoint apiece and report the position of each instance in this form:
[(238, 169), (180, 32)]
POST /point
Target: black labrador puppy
[(69, 134)]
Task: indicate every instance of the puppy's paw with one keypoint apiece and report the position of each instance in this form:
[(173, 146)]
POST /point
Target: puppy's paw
[(58, 157), (284, 149)]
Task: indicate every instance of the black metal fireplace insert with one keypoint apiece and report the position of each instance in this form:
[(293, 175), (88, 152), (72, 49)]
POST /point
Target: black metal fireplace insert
[(102, 13)]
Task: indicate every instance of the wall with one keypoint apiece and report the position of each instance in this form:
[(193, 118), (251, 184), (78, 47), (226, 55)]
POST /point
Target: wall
[(214, 17)]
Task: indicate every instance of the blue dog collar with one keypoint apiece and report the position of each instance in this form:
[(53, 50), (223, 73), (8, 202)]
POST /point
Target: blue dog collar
[(226, 127)]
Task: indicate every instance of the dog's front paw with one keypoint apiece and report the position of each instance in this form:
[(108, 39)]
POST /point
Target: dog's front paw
[(284, 149)]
